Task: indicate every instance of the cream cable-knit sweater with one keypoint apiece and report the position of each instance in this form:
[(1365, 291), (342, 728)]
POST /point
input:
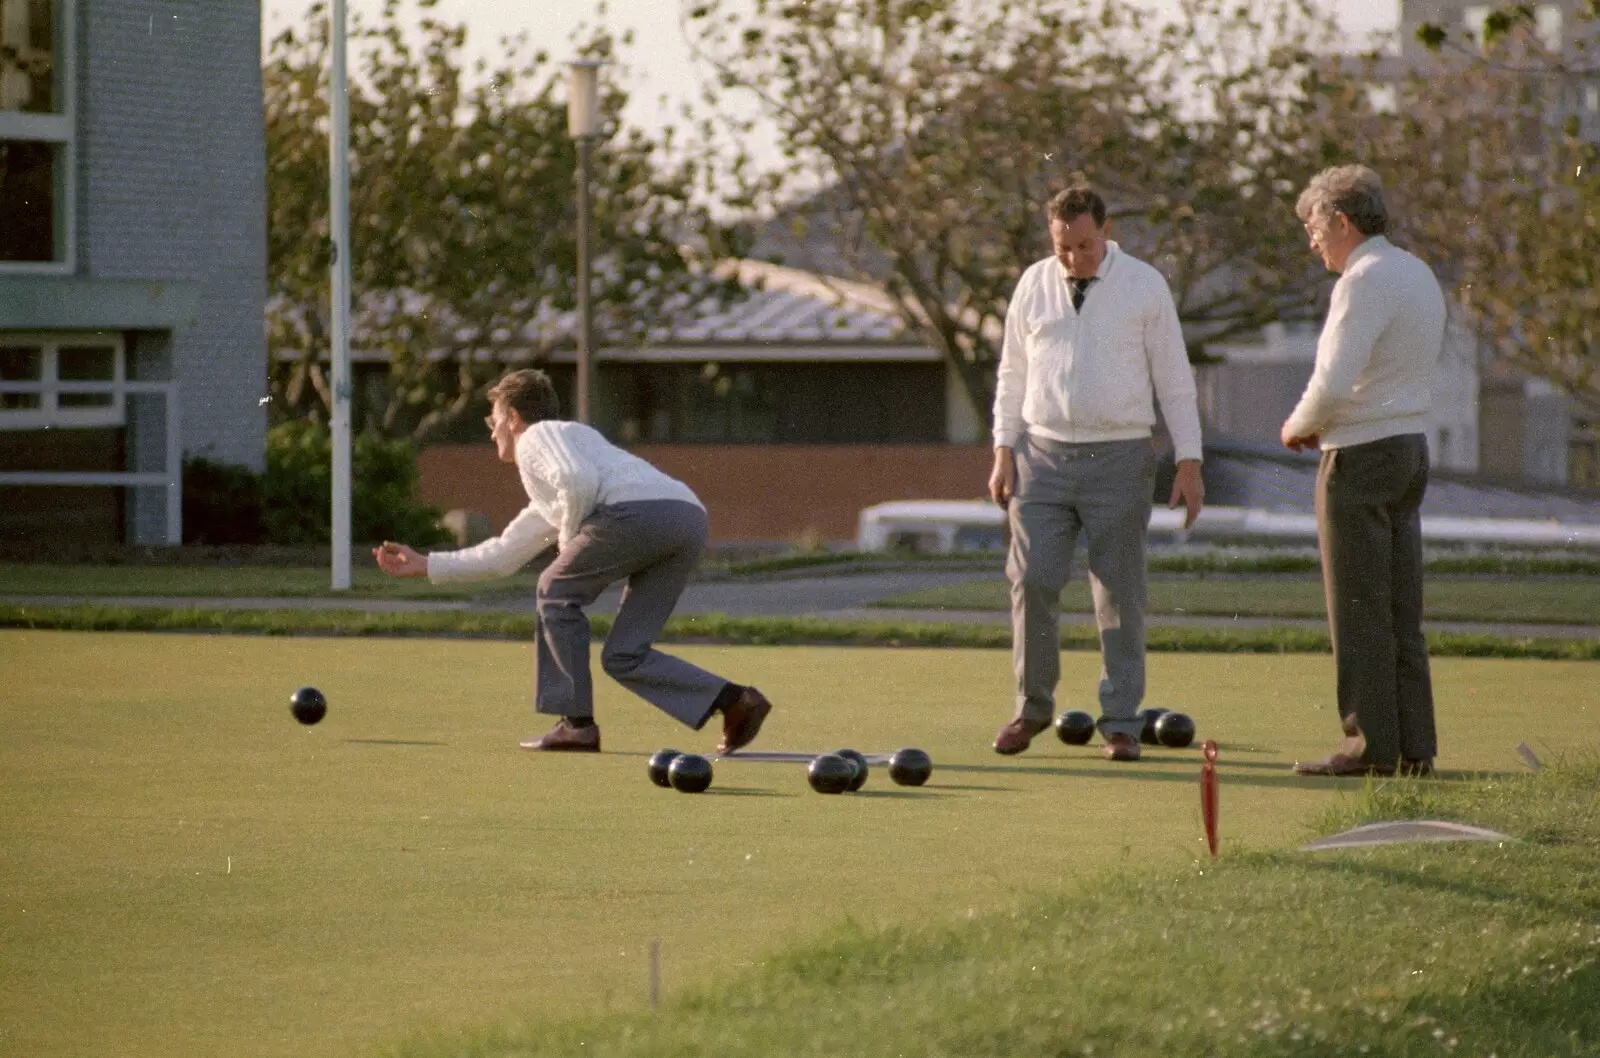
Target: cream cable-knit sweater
[(568, 469), (1378, 352), (1088, 376)]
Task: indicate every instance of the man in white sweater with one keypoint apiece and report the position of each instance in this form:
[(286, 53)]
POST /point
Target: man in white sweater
[(1091, 335), (1366, 407), (613, 517)]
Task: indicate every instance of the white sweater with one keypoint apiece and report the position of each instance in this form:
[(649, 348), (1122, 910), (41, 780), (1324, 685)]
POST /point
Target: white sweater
[(567, 469), (1378, 352), (1089, 376)]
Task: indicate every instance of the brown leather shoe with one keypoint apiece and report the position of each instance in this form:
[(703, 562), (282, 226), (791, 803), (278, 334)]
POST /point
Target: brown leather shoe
[(564, 738), (1121, 746), (741, 721), (1417, 767), (1017, 735), (1339, 764)]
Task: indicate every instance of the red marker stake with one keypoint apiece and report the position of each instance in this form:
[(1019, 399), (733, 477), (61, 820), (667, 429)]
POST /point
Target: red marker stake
[(1208, 792)]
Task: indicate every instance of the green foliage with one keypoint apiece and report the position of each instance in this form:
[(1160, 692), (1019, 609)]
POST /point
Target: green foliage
[(945, 127), (222, 504), (462, 207), (296, 490), (1497, 187)]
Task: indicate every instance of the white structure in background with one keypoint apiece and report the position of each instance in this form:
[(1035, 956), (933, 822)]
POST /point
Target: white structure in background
[(952, 526), (1255, 387)]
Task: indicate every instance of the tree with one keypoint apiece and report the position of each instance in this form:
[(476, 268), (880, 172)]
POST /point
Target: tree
[(942, 127), (462, 217), (1511, 207)]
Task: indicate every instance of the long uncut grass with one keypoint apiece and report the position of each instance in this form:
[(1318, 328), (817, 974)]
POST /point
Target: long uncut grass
[(1407, 951)]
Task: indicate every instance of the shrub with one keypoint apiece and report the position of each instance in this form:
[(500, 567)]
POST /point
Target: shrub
[(291, 505), (296, 507), (221, 504)]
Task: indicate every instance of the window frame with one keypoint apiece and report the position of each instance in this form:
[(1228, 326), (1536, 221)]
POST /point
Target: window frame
[(49, 414), (60, 130)]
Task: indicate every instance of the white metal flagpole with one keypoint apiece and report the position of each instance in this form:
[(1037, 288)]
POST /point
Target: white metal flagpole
[(339, 232)]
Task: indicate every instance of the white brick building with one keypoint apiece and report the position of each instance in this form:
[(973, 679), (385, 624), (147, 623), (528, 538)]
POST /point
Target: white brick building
[(132, 250)]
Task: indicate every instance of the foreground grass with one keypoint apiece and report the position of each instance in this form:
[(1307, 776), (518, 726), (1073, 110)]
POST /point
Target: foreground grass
[(186, 871), (1574, 600), (1420, 950), (753, 631)]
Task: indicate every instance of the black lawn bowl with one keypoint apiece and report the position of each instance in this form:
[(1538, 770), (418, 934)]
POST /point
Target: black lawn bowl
[(910, 767), (831, 773), (1175, 730), (689, 773), (659, 763), (308, 705), (1149, 717), (861, 767), (1075, 727)]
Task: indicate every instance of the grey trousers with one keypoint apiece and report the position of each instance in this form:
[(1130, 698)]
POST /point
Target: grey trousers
[(1103, 489), (655, 545), (1369, 528)]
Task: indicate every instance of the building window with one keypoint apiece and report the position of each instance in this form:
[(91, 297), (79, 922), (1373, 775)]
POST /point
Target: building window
[(37, 131), (69, 380), (765, 403)]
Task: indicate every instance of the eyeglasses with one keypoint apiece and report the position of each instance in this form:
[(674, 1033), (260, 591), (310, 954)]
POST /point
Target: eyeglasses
[(491, 422)]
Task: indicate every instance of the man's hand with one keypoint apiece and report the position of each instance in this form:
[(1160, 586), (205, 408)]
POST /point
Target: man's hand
[(398, 560), (1295, 442), (1003, 479), (1188, 489)]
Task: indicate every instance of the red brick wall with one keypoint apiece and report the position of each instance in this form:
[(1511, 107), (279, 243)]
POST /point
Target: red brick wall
[(753, 492)]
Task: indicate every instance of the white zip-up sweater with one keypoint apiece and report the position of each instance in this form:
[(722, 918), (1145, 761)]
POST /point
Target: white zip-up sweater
[(568, 469), (1089, 376), (1378, 353)]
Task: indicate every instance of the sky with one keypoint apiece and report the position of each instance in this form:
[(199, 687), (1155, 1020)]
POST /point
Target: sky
[(662, 75)]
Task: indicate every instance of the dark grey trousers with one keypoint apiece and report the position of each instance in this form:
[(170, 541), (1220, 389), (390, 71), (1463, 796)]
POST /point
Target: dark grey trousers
[(655, 545), (1104, 490), (1370, 530)]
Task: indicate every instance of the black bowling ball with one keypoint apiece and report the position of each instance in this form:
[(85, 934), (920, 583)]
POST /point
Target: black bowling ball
[(831, 774), (1075, 727), (1148, 718), (308, 705), (659, 763), (689, 773), (859, 762), (1175, 730), (910, 767)]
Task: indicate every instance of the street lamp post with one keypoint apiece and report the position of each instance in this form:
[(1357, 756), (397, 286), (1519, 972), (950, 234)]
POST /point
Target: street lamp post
[(583, 124)]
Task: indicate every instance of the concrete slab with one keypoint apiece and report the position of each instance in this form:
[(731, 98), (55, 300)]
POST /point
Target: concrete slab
[(1402, 832)]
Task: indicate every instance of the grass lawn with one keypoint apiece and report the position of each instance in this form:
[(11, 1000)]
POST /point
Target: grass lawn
[(186, 871), (1553, 600)]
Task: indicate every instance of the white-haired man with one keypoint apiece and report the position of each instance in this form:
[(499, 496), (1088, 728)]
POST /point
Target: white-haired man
[(1366, 407)]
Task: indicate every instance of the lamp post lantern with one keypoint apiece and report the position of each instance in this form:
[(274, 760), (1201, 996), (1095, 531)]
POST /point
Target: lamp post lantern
[(583, 124)]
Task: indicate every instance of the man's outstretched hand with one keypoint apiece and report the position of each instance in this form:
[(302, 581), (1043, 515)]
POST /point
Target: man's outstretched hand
[(398, 560)]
